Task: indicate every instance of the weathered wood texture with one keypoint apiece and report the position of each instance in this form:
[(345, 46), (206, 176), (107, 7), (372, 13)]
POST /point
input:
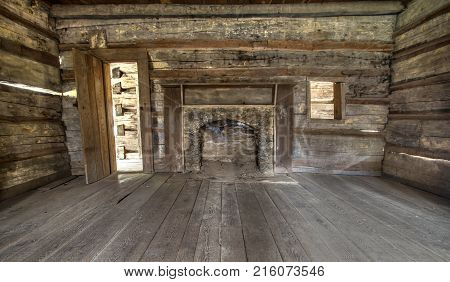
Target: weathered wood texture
[(352, 29), (304, 217), (418, 12), (71, 119), (17, 69), (353, 145), (32, 140), (36, 12), (173, 130), (94, 126), (417, 131), (18, 33), (192, 46), (230, 11), (284, 112)]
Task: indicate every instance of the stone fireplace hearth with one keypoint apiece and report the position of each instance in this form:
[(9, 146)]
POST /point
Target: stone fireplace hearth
[(231, 139)]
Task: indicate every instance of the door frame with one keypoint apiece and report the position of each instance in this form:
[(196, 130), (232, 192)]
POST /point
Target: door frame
[(140, 56)]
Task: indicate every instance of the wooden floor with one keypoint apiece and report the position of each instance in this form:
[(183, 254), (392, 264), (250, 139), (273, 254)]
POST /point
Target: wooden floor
[(165, 217)]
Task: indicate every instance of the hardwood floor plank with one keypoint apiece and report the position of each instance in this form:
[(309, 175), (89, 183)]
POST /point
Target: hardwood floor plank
[(100, 230), (134, 238), (426, 200), (433, 207), (49, 237), (231, 234), (57, 183), (230, 208), (27, 204), (290, 247), (387, 223), (106, 193), (314, 244), (429, 234), (168, 217), (186, 251), (358, 228), (166, 242), (259, 242), (63, 197), (208, 245), (336, 240)]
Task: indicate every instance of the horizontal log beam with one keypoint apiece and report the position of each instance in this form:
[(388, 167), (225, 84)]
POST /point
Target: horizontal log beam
[(16, 18), (424, 18), (20, 119), (247, 45), (421, 112), (415, 50), (260, 72), (368, 101), (423, 81), (337, 131), (29, 155), (35, 183), (422, 116), (160, 10), (418, 152), (29, 53), (335, 171)]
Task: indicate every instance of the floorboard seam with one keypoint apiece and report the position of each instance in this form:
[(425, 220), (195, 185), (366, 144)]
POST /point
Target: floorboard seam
[(287, 222), (187, 223), (165, 217), (102, 187), (128, 222), (267, 222), (85, 227), (387, 226)]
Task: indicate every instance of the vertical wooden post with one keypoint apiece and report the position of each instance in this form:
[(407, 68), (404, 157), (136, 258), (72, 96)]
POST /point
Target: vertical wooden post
[(110, 117), (338, 100), (275, 121), (182, 127), (283, 128), (145, 112)]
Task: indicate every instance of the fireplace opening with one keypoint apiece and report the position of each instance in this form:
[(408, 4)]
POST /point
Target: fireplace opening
[(228, 141), (228, 149)]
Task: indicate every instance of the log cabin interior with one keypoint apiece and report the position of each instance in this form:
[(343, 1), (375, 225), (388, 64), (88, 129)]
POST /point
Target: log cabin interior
[(230, 130)]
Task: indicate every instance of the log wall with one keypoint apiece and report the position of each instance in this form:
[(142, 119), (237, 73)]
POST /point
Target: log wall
[(418, 131), (32, 139), (290, 46)]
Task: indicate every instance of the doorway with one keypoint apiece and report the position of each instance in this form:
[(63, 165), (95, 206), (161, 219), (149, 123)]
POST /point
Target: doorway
[(93, 75), (124, 84)]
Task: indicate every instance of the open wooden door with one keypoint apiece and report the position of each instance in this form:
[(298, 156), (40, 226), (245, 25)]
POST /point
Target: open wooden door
[(93, 115)]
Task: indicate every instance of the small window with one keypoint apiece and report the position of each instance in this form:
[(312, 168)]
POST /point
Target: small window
[(325, 100)]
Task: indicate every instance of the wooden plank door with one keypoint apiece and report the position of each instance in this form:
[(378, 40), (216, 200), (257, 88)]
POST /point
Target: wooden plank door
[(93, 115)]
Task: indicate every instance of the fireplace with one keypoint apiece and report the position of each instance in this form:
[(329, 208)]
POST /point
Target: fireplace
[(228, 146), (235, 140)]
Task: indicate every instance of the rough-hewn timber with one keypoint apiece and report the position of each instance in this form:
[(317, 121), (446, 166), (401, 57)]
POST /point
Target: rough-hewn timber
[(417, 131)]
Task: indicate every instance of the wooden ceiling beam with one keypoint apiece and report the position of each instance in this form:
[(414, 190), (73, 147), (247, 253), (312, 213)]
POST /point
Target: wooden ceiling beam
[(359, 8), (247, 45)]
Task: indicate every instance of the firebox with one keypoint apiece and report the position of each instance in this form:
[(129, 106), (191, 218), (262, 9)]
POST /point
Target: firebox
[(235, 140)]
